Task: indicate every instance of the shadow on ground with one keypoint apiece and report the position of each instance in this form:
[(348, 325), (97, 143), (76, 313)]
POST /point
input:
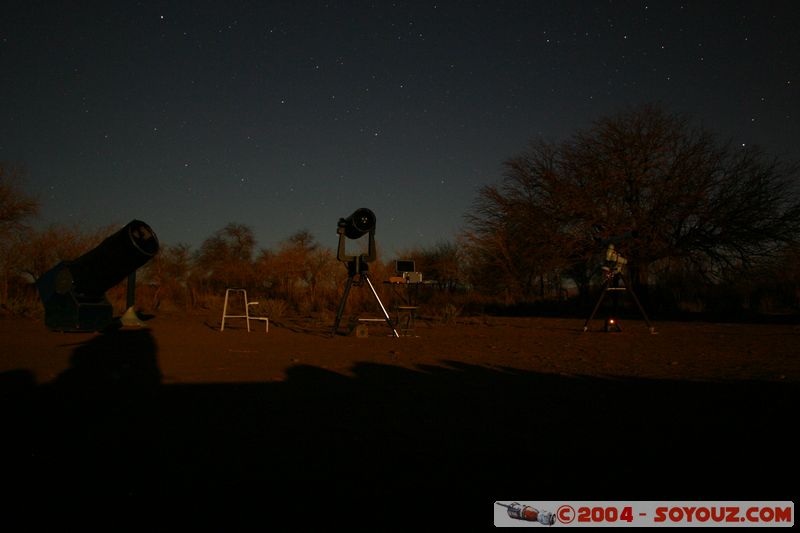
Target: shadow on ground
[(387, 446)]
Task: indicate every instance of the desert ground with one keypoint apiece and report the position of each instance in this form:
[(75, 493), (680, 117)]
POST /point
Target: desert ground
[(185, 419)]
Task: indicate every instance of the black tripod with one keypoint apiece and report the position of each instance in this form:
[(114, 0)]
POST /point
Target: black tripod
[(357, 272), (612, 276)]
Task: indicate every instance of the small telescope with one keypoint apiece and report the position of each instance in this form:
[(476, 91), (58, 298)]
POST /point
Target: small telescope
[(613, 271), (614, 262), (73, 292)]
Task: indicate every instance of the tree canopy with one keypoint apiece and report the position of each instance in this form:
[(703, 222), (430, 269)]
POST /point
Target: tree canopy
[(650, 180), (15, 205)]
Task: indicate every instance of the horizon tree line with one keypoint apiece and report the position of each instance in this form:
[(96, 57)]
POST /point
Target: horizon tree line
[(698, 219)]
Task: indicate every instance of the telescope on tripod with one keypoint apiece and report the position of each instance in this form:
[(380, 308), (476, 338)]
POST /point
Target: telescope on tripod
[(361, 222), (614, 271)]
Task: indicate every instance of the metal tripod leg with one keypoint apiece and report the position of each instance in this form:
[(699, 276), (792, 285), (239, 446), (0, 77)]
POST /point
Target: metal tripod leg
[(627, 288), (639, 305), (342, 304), (596, 307), (385, 314)]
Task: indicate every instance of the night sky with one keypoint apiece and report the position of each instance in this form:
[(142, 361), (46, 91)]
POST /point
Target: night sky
[(289, 115)]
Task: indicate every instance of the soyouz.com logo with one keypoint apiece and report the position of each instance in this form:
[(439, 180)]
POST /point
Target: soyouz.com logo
[(645, 513)]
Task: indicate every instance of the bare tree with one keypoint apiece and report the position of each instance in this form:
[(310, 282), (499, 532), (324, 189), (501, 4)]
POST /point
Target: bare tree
[(226, 258), (15, 208), (15, 205), (301, 268), (441, 263), (519, 231), (679, 191), (670, 187), (168, 272)]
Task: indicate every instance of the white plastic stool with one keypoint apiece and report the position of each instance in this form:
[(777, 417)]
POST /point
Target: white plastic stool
[(246, 314), (264, 318)]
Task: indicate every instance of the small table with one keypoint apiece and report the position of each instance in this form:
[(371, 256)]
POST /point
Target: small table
[(406, 319)]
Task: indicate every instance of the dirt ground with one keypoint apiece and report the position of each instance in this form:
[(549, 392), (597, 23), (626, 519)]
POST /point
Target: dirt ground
[(459, 414), (191, 349)]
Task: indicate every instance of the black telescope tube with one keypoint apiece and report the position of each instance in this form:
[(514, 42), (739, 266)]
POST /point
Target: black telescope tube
[(113, 260), (360, 222)]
